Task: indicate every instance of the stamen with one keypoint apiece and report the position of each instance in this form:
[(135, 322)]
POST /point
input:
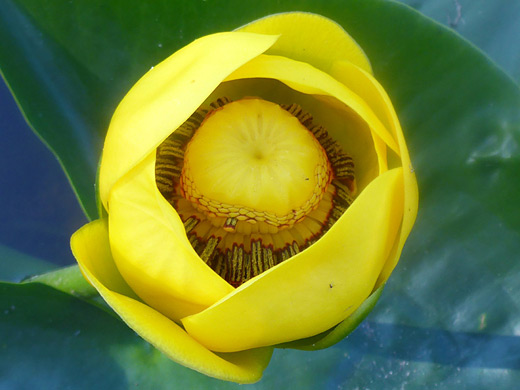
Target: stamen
[(343, 192), (237, 264), (220, 102), (196, 119), (257, 257), (304, 117), (209, 249), (185, 131), (268, 257), (190, 223), (238, 240), (230, 224), (219, 264)]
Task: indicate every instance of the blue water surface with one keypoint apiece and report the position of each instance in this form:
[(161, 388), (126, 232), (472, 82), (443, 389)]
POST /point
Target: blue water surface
[(39, 210)]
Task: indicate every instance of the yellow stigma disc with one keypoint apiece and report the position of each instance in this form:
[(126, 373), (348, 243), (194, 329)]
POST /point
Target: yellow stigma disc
[(254, 161)]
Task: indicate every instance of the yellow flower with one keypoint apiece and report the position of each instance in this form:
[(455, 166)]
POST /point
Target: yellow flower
[(257, 230)]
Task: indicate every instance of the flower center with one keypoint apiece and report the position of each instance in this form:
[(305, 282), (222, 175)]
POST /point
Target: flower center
[(253, 161), (254, 183)]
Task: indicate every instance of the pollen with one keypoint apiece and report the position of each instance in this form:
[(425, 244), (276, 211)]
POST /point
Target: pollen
[(254, 182)]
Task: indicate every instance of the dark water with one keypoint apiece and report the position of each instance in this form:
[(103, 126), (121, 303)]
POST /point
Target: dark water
[(38, 210)]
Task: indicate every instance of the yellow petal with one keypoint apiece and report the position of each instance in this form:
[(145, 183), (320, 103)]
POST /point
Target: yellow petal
[(152, 252), (92, 239), (310, 38), (167, 95), (364, 85), (368, 89), (91, 248), (307, 79), (315, 289), (381, 152)]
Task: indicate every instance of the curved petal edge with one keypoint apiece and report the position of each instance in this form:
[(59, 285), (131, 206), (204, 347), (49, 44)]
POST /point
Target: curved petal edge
[(92, 250)]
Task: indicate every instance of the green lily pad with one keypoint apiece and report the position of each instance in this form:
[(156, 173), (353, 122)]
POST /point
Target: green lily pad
[(490, 25), (66, 343), (448, 317), (16, 266)]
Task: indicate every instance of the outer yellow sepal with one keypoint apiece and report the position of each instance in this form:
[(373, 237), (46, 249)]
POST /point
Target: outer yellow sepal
[(91, 248), (368, 88), (316, 289), (306, 79), (152, 252), (167, 95), (310, 38)]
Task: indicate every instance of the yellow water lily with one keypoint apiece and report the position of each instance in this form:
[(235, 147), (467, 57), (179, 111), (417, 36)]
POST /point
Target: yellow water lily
[(258, 190)]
